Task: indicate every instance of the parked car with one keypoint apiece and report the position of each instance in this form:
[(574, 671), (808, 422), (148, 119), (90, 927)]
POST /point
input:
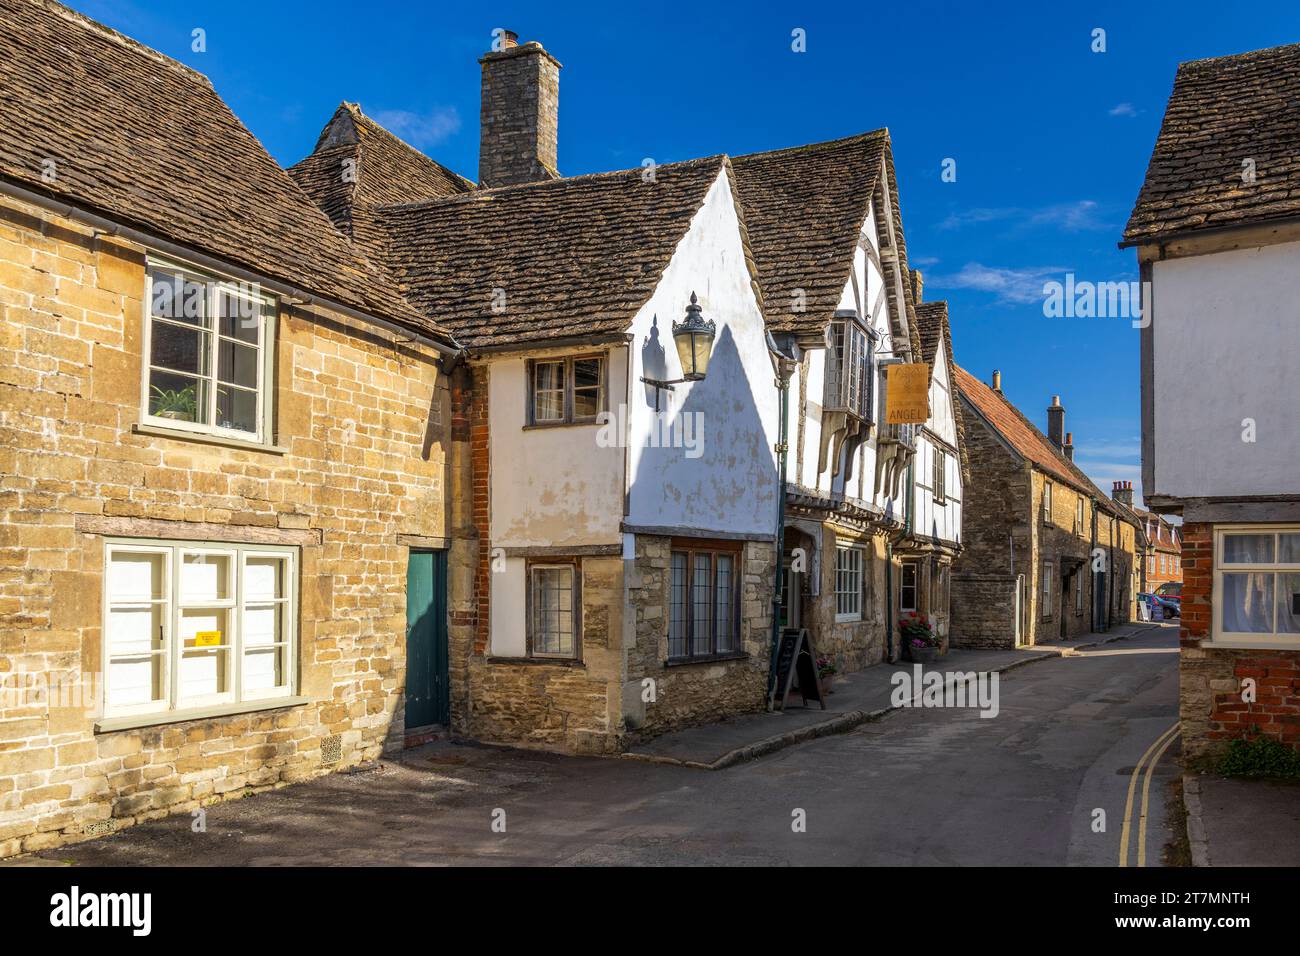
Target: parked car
[(1160, 608), (1171, 589)]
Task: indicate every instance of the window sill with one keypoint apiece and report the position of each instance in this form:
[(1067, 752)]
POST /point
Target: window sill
[(706, 659), (180, 434), (541, 426), (553, 661), (1260, 645), (108, 725), (848, 619)]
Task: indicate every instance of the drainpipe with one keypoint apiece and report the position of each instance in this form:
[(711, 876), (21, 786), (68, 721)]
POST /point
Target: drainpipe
[(785, 359), (889, 600)]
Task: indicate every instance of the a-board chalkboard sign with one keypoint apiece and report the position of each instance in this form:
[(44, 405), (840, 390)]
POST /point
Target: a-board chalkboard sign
[(795, 656)]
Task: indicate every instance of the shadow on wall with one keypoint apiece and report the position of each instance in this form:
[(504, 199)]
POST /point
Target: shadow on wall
[(714, 468)]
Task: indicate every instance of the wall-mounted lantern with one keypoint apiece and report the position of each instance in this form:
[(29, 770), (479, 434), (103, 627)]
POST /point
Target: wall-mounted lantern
[(694, 338)]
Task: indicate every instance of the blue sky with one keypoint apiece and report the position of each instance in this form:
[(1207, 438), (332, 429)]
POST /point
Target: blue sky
[(1050, 139)]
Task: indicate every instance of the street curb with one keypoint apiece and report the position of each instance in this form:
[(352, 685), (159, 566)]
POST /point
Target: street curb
[(843, 723), (1197, 839)]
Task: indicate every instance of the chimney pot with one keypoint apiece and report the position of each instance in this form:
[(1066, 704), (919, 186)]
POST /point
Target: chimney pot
[(509, 38), (1056, 422), (1122, 491), (997, 380)]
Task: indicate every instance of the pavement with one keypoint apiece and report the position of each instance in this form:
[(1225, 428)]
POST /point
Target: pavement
[(1049, 781), (1239, 822), (856, 699)]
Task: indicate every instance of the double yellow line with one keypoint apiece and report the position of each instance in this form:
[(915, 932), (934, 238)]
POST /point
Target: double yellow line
[(1162, 743)]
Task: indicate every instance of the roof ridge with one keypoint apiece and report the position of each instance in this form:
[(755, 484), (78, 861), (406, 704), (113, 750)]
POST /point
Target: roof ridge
[(882, 131), (80, 19), (1243, 55), (718, 159)]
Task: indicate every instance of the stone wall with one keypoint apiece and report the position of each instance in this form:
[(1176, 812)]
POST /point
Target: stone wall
[(694, 693), (1211, 679), (852, 645), (361, 424), (997, 540), (573, 706)]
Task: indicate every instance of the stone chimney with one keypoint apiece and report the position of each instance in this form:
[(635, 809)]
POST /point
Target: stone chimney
[(918, 285), (997, 380), (1068, 447), (1122, 491), (1056, 422), (518, 114)]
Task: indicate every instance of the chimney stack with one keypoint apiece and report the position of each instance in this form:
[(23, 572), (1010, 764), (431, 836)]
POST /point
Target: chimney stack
[(1056, 422), (997, 380), (918, 285), (518, 114), (1068, 447), (1122, 491)]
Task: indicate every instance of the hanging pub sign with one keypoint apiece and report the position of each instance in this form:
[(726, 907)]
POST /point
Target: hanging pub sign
[(907, 394)]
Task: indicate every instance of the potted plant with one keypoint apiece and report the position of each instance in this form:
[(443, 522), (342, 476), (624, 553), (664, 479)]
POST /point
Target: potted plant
[(178, 404), (826, 671), (919, 637)]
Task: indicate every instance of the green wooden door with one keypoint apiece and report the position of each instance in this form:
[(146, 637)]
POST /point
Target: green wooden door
[(428, 698)]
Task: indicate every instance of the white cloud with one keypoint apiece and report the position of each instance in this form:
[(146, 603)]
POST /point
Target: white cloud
[(1123, 109), (420, 129), (1018, 286), (1073, 216)]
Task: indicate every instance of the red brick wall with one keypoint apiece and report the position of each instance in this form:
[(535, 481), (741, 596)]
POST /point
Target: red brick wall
[(479, 464), (1211, 679)]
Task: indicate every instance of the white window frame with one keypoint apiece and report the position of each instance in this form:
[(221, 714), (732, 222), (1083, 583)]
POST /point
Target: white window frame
[(1046, 587), (849, 581), (939, 474), (1080, 516), (233, 700), (850, 360), (1256, 639), (1047, 502), (914, 607), (214, 287), (1078, 593)]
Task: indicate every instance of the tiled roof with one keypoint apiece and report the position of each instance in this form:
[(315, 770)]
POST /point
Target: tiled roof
[(576, 256), (145, 141), (932, 326), (1030, 443), (383, 169), (804, 209), (1223, 112)]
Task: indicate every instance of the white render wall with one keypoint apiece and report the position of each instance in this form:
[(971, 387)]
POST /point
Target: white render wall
[(1226, 342), (554, 485), (731, 486)]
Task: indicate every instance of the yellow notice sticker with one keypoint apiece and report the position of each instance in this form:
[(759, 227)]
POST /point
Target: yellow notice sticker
[(207, 639)]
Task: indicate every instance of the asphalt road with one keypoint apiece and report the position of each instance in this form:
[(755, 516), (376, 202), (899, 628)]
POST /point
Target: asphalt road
[(920, 787)]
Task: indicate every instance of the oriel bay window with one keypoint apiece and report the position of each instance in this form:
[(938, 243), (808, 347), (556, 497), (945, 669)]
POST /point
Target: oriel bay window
[(566, 390), (192, 625), (849, 375), (703, 601), (1257, 585), (208, 348)]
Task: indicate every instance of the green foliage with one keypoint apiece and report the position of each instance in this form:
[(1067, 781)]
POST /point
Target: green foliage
[(174, 400), (1261, 757)]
